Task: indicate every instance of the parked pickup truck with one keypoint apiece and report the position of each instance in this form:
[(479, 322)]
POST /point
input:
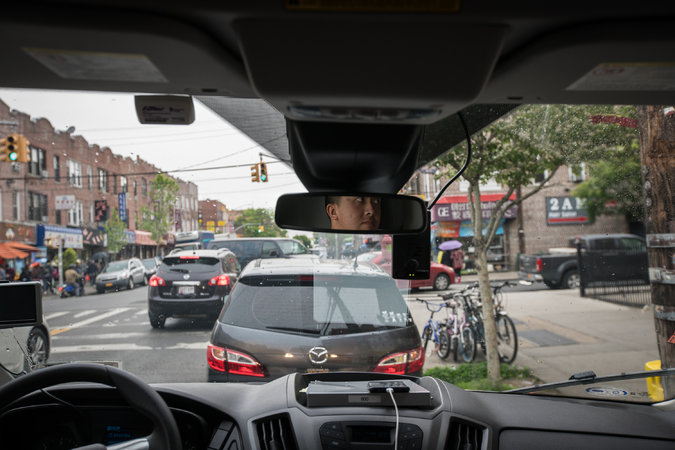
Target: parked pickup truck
[(623, 256)]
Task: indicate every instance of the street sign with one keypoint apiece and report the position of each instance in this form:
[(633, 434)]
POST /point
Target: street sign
[(122, 206)]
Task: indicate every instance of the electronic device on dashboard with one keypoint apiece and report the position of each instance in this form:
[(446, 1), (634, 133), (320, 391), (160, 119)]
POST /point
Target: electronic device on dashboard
[(367, 393), (382, 386), (20, 304)]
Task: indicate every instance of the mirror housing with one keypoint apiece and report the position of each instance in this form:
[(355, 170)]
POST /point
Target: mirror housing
[(20, 304), (352, 213)]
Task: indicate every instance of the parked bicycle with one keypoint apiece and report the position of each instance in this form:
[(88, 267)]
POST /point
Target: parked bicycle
[(434, 330), (507, 337), (460, 333)]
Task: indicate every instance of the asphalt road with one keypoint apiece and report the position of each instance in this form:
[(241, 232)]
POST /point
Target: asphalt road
[(115, 327)]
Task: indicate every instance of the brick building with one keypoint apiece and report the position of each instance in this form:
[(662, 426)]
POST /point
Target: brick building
[(550, 217), (213, 216), (66, 171)]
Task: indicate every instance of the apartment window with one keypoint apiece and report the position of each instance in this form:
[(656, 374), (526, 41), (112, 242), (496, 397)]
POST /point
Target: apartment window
[(135, 192), (90, 178), (123, 184), (91, 213), (37, 206), (16, 205), (57, 169), (114, 177), (102, 180), (144, 187), (57, 217), (38, 162), (577, 172), (74, 173), (75, 214)]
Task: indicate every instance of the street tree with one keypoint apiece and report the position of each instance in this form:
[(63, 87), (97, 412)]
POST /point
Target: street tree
[(257, 222), (159, 217), (514, 151), (307, 242), (114, 229)]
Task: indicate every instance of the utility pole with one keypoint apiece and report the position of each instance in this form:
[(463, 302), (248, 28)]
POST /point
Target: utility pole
[(657, 149)]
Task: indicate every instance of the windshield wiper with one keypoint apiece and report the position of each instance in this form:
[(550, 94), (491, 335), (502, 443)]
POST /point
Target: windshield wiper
[(297, 330), (180, 270), (591, 378)]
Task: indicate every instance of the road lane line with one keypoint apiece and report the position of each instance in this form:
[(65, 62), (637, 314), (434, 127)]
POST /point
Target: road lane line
[(55, 315), (88, 321), (84, 313)]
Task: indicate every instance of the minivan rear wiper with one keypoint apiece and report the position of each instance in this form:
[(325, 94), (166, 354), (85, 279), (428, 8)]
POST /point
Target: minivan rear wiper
[(180, 270), (297, 330), (579, 379)]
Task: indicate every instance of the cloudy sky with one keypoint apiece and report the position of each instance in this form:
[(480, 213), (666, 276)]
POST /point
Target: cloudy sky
[(210, 142)]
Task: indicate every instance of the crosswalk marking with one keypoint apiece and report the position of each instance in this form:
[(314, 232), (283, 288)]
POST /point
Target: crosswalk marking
[(55, 315), (88, 321), (85, 313)]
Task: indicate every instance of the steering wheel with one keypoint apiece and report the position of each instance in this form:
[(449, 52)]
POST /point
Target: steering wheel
[(133, 390)]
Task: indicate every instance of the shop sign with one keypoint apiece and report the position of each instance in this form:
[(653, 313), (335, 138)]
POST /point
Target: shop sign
[(565, 211), (466, 228), (101, 210), (40, 256), (64, 202), (456, 208), (129, 237), (221, 223), (447, 229), (93, 236), (122, 206), (71, 237), (19, 233)]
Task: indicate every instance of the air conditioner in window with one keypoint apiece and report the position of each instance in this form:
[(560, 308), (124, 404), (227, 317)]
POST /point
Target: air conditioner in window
[(44, 174), (45, 219), (16, 167)]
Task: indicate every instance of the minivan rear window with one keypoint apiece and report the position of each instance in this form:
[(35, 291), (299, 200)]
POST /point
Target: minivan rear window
[(326, 305), (192, 263)]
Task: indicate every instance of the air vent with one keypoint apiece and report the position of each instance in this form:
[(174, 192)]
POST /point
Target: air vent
[(276, 433), (464, 436)]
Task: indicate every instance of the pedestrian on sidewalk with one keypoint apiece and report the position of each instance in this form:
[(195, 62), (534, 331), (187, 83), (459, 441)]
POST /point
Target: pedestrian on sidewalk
[(457, 259)]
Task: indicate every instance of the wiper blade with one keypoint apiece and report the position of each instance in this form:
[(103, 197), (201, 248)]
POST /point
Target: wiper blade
[(297, 330), (180, 270), (586, 378)]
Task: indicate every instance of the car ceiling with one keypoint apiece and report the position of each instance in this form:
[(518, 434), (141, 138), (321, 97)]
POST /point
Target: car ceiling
[(277, 67)]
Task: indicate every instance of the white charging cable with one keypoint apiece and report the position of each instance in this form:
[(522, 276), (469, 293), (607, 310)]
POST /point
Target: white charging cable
[(393, 400)]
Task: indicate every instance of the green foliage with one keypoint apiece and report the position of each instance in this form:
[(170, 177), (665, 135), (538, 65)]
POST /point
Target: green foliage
[(114, 228), (159, 218), (248, 223), (304, 239), (69, 256), (474, 376), (614, 186)]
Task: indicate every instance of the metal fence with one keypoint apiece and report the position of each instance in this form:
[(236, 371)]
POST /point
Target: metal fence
[(619, 276)]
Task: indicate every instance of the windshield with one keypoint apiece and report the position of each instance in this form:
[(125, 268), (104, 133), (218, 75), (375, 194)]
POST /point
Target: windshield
[(116, 266), (559, 198)]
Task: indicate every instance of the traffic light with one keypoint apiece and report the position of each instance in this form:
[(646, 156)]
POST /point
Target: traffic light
[(22, 150), (261, 228), (263, 172), (255, 175), (8, 148)]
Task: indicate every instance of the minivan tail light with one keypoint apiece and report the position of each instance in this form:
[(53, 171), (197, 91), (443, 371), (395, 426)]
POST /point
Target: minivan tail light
[(402, 363), (540, 265), (239, 363), (216, 357), (220, 280), (156, 281)]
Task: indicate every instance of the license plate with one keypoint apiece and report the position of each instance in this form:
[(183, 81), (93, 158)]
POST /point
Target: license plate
[(317, 370), (108, 284), (186, 290)]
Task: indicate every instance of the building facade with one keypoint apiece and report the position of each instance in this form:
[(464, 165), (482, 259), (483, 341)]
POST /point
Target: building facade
[(213, 216), (70, 188)]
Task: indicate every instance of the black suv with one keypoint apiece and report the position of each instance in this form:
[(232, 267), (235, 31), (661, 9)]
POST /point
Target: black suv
[(312, 315), (191, 283), (248, 249)]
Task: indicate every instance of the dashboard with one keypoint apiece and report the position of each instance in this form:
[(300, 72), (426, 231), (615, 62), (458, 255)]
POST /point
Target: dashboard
[(281, 415)]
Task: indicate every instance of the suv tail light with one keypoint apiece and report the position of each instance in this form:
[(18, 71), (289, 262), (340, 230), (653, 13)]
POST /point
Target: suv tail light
[(402, 363), (236, 363), (156, 281), (220, 280), (540, 264)]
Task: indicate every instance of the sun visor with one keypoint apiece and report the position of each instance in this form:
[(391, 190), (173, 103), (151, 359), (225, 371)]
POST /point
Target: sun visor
[(361, 70)]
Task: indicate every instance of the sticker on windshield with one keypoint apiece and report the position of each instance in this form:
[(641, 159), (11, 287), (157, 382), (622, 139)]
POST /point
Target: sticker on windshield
[(627, 76), (98, 66), (607, 391)]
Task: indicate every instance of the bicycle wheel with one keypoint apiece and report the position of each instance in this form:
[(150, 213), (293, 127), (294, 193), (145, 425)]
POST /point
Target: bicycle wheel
[(426, 336), (507, 339), (467, 345), (444, 346)]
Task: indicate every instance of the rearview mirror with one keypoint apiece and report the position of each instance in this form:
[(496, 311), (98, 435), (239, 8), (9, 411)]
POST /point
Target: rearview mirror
[(354, 213), (20, 304)]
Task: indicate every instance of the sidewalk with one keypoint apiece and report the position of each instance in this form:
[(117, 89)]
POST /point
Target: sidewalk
[(494, 276)]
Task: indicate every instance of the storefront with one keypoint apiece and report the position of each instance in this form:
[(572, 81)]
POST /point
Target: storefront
[(130, 240), (95, 241), (451, 219), (145, 246)]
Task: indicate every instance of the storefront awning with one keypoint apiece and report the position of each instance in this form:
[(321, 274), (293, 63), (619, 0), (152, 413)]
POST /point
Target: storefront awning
[(144, 238), (455, 208)]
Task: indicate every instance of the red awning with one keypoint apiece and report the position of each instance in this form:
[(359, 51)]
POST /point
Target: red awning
[(465, 198), (143, 238)]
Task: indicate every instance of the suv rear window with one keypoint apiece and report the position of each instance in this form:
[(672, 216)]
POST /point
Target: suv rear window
[(317, 305), (190, 262)]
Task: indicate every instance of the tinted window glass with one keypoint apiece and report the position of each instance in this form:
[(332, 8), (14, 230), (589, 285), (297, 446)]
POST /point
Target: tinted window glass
[(245, 250), (116, 266), (292, 247), (150, 263), (632, 244), (314, 305), (199, 264), (604, 244), (269, 249)]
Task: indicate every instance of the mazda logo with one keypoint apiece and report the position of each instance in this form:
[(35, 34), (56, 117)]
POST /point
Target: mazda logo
[(318, 355)]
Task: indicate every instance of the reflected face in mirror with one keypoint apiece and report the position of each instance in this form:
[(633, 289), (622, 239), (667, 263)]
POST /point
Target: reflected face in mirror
[(353, 213)]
